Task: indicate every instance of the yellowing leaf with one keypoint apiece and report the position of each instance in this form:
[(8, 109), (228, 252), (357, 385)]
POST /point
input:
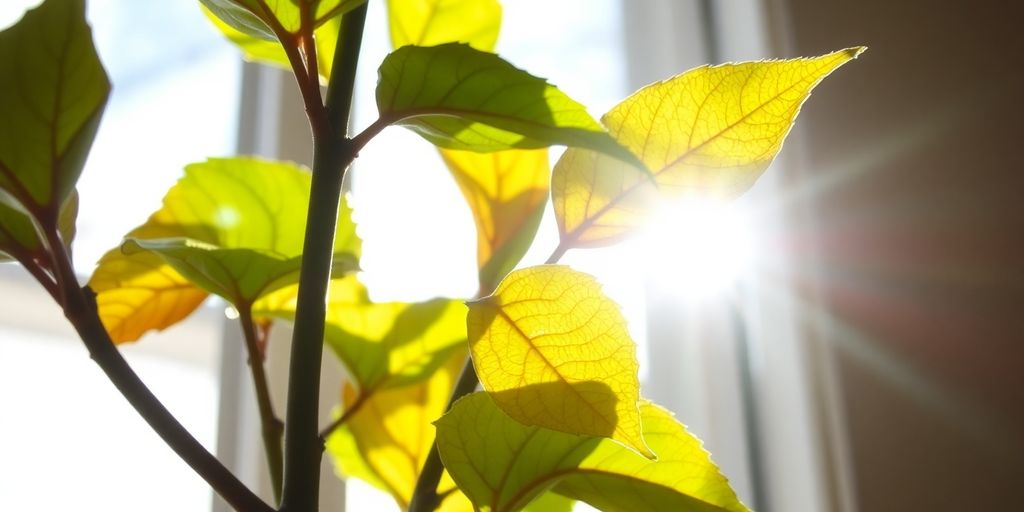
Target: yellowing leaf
[(53, 90), (241, 276), (502, 465), (711, 130), (433, 22), (506, 191), (265, 19), (383, 345), (271, 52), (139, 292), (387, 440), (460, 98), (554, 352), (240, 203)]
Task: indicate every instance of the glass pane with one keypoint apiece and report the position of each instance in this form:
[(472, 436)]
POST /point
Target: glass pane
[(69, 440)]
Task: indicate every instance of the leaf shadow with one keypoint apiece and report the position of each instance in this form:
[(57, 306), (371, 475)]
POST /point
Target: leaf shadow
[(544, 405)]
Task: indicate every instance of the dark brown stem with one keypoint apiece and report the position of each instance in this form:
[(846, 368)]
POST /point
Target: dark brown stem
[(272, 427), (80, 309)]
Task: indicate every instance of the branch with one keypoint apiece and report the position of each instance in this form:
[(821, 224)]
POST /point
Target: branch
[(348, 413), (80, 309), (271, 425)]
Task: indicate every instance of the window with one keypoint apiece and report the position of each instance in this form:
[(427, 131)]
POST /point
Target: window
[(726, 363), (172, 104)]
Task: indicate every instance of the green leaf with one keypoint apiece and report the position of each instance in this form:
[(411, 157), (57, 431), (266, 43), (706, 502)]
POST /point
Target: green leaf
[(241, 276), (386, 440), (502, 465), (52, 93), (460, 98), (231, 204), (712, 131), (383, 345), (264, 18), (433, 22), (271, 52), (19, 239), (554, 351), (551, 502)]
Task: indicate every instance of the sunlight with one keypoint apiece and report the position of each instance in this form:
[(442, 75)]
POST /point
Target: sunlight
[(700, 246)]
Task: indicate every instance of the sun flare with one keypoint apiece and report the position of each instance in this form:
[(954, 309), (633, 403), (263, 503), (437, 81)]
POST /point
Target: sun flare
[(700, 246)]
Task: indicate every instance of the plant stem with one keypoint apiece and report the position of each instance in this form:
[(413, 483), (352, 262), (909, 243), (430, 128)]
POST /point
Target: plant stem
[(557, 254), (332, 155), (348, 413), (272, 426), (80, 309), (425, 497)]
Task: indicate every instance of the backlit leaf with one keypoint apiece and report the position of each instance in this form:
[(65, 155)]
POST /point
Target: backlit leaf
[(433, 22), (553, 351), (240, 203), (271, 52), (711, 130), (502, 465), (240, 276), (264, 18), (383, 345), (460, 98), (19, 238), (387, 440), (507, 192), (52, 93)]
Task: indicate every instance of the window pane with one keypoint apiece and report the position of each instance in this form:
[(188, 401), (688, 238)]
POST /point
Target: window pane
[(70, 441)]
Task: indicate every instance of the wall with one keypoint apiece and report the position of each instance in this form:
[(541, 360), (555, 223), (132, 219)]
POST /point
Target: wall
[(913, 169)]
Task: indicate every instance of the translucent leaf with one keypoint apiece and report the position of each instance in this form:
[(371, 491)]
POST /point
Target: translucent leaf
[(502, 465), (554, 351), (383, 345), (507, 192), (240, 203), (241, 276), (711, 130), (460, 98), (387, 440), (271, 52), (264, 18), (433, 22), (53, 90), (18, 236)]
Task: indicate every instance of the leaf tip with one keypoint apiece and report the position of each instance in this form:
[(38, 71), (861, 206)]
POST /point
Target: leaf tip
[(855, 51)]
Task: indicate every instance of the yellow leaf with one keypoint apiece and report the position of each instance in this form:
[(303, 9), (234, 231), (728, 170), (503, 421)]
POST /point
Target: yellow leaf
[(711, 130), (139, 293), (502, 465), (271, 52), (506, 191), (238, 203), (387, 440), (433, 22), (383, 345), (554, 352)]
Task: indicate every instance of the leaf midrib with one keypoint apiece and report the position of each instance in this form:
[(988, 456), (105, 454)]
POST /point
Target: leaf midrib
[(589, 221)]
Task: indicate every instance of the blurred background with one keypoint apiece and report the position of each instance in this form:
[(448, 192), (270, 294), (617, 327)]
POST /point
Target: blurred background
[(846, 337)]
